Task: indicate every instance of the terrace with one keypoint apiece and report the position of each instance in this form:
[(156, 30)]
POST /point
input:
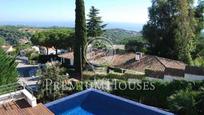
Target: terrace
[(18, 99)]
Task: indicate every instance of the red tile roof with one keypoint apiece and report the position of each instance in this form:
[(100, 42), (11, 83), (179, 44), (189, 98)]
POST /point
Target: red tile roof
[(69, 55), (127, 61), (147, 62)]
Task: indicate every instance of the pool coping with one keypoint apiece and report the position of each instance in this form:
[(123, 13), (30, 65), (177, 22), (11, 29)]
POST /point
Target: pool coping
[(111, 96)]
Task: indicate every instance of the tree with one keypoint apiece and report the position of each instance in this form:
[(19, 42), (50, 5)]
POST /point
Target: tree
[(184, 31), (60, 39), (52, 73), (199, 16), (80, 37), (171, 29), (200, 102), (12, 34), (8, 72), (159, 29), (94, 24), (57, 38), (41, 39)]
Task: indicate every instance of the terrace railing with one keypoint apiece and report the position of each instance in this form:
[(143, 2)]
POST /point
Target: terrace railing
[(8, 88)]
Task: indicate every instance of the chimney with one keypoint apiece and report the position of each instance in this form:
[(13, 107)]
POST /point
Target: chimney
[(138, 56)]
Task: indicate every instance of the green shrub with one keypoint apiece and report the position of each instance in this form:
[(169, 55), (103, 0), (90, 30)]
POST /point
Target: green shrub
[(88, 75), (199, 61), (34, 56), (183, 102), (158, 97)]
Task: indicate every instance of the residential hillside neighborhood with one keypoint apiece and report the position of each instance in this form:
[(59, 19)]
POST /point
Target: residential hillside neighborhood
[(137, 62), (116, 58)]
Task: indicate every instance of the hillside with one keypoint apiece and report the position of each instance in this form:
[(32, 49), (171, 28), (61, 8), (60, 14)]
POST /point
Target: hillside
[(16, 34), (12, 34), (117, 35)]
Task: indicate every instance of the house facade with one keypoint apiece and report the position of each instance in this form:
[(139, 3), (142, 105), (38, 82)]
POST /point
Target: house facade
[(194, 73)]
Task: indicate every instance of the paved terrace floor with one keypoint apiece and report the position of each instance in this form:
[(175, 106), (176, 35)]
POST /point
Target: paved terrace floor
[(21, 107)]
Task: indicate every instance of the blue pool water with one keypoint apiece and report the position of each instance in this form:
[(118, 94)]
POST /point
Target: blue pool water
[(95, 102), (77, 111)]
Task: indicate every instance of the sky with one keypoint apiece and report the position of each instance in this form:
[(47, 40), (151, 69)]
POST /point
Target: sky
[(116, 13)]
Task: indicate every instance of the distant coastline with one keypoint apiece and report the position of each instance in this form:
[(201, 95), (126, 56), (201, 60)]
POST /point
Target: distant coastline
[(111, 25)]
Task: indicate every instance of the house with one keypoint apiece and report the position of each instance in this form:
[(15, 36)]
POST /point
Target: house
[(189, 73), (48, 51), (174, 74), (51, 51), (152, 66), (119, 47), (67, 59), (194, 73)]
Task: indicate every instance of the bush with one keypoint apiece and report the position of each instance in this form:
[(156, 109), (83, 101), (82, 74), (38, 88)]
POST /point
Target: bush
[(199, 62), (34, 56), (88, 75), (163, 90), (183, 102)]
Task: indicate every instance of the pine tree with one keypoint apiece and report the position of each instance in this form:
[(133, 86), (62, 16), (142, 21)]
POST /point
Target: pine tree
[(80, 37), (184, 32), (94, 23), (8, 72)]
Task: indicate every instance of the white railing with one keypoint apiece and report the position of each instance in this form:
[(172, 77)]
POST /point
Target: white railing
[(17, 91)]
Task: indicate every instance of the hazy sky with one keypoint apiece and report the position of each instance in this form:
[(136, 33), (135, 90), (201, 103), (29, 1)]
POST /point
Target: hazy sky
[(128, 11), (126, 14)]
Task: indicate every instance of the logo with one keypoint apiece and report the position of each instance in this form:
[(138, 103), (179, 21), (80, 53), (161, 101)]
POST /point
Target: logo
[(99, 51)]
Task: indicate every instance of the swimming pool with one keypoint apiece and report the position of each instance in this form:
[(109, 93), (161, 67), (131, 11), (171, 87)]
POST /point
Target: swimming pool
[(95, 102)]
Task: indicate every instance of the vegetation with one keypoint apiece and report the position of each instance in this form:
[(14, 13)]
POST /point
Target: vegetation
[(12, 34), (172, 29), (181, 97), (8, 70), (94, 23), (183, 102), (80, 38), (48, 75), (136, 44), (57, 38), (2, 41), (199, 62), (32, 54), (184, 31), (87, 75), (11, 87), (117, 36)]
